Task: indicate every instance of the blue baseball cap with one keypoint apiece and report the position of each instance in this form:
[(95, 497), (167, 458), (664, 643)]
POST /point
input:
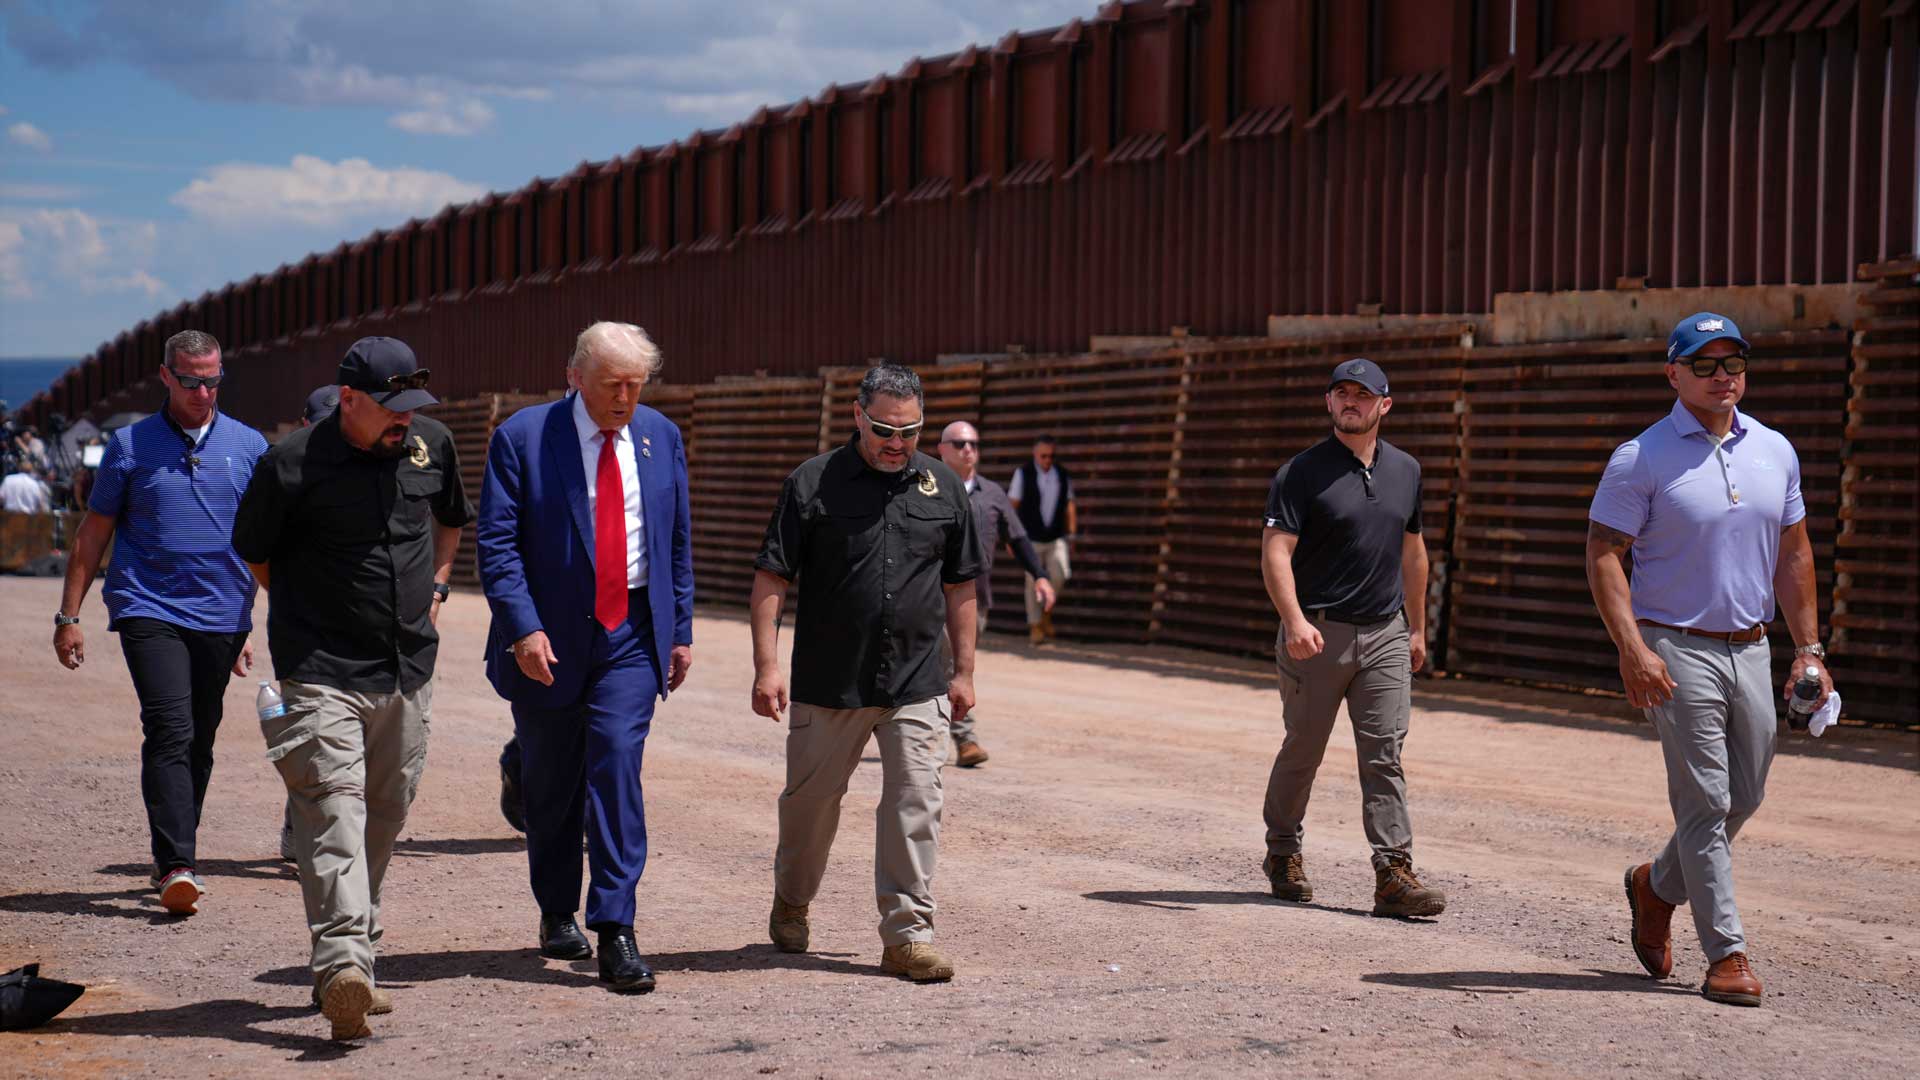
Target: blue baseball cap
[(1360, 370), (1692, 333)]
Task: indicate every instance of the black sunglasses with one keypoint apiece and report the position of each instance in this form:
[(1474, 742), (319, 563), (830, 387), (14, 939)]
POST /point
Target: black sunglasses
[(962, 444), (195, 382), (1703, 366), (908, 432)]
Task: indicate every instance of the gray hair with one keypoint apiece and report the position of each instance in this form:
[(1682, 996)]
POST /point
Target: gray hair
[(893, 381), (189, 343), (605, 338)]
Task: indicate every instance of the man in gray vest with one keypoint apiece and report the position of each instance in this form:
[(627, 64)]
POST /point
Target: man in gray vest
[(1042, 493)]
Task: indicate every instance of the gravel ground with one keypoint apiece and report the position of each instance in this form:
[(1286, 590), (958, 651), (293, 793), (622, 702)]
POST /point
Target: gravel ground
[(1099, 887)]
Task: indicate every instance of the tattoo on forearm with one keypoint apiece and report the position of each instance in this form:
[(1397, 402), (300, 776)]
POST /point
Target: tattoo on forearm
[(1615, 540)]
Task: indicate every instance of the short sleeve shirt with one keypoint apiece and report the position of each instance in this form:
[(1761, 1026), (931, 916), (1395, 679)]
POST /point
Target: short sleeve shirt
[(1706, 520), (348, 539), (1352, 522), (873, 552), (997, 523), (173, 499)]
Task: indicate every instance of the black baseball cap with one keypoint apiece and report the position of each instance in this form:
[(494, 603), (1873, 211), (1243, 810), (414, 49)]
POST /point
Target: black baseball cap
[(385, 370), (1360, 370), (322, 402)]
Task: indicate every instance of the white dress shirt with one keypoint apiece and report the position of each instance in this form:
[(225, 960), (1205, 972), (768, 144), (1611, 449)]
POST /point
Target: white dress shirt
[(1048, 481), (629, 485)]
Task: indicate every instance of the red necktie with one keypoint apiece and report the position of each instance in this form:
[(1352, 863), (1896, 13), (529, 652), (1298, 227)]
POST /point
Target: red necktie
[(609, 538)]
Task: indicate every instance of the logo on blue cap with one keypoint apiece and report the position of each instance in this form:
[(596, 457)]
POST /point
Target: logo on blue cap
[(1710, 326)]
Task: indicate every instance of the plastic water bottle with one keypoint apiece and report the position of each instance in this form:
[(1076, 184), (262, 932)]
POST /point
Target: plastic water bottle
[(1806, 691), (269, 703)]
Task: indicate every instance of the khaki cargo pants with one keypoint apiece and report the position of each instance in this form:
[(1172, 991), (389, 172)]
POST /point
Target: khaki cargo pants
[(823, 749), (351, 763)]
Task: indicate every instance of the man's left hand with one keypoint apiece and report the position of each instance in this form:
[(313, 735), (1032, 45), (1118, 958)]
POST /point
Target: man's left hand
[(244, 662), (1793, 676), (960, 696), (679, 662)]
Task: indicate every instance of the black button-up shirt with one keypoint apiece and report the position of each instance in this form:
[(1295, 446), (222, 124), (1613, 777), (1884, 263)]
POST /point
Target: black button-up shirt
[(349, 547), (873, 552), (1352, 522)]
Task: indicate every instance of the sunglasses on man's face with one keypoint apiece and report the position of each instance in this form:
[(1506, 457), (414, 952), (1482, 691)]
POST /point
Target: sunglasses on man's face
[(908, 432), (1702, 366), (415, 380), (195, 382), (964, 444)]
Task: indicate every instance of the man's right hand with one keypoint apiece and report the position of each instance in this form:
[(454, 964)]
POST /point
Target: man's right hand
[(770, 694), (535, 656), (1303, 640), (1645, 676), (70, 645)]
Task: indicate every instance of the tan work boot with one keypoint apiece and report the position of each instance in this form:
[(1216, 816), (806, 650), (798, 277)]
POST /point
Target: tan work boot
[(971, 754), (917, 960), (1046, 624), (1288, 876), (345, 1002), (787, 926), (1398, 894), (1731, 981), (381, 1006), (1036, 635), (1652, 922)]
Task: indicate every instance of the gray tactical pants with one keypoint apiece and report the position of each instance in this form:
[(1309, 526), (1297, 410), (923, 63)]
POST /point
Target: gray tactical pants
[(1368, 668), (1717, 734)]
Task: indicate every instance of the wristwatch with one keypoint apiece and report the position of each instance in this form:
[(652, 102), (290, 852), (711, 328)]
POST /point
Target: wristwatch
[(65, 620), (1815, 650), (441, 591)]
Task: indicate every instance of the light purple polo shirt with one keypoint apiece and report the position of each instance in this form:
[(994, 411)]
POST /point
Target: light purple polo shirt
[(1706, 525)]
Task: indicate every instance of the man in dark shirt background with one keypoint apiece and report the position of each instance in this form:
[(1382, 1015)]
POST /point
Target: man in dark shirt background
[(881, 540), (351, 524), (1346, 569)]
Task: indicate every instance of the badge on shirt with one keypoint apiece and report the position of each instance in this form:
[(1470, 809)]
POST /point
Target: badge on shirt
[(928, 485), (419, 453)]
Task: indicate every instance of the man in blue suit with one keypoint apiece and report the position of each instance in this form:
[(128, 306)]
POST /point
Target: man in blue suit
[(586, 557)]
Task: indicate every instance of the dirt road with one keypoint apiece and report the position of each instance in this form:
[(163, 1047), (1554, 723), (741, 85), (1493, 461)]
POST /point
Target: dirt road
[(1099, 885)]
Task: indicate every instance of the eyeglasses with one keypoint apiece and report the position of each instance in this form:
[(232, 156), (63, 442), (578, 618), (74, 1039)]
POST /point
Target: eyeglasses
[(415, 380), (1702, 366), (964, 444), (907, 432), (195, 382)]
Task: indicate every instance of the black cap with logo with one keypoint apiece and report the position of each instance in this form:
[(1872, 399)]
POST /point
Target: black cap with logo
[(384, 369), (1360, 370)]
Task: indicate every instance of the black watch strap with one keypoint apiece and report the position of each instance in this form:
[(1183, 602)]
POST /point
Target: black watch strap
[(441, 591)]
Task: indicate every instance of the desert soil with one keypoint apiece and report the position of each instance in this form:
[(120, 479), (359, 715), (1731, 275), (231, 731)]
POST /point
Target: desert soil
[(1099, 887)]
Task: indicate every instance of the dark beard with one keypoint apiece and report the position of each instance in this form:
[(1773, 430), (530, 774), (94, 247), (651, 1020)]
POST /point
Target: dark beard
[(1355, 426), (382, 450)]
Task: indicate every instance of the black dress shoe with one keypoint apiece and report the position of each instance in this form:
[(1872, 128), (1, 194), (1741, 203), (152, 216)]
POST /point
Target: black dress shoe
[(620, 963), (513, 803), (561, 939)]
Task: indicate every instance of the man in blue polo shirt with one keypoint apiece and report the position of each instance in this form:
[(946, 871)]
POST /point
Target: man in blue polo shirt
[(179, 597), (1708, 500)]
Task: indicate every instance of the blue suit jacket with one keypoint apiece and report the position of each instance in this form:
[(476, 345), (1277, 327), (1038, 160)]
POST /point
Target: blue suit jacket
[(536, 546)]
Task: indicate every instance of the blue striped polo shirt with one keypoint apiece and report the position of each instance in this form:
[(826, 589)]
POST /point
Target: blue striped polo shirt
[(173, 556)]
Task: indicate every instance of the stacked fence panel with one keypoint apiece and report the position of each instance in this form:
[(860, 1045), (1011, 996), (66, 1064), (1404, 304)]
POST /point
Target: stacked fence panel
[(748, 436)]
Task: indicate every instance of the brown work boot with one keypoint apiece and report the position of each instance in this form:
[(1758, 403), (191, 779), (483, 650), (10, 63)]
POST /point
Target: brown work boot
[(917, 960), (345, 1001), (1731, 981), (1036, 635), (971, 754), (1652, 922), (1288, 876), (788, 926), (1046, 624), (1398, 894)]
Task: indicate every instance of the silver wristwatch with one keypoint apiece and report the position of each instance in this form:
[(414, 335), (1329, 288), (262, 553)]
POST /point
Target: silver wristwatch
[(60, 620), (1815, 650)]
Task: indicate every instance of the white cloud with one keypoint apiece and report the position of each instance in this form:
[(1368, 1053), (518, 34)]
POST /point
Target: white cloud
[(442, 117), (71, 251), (314, 192), (25, 134)]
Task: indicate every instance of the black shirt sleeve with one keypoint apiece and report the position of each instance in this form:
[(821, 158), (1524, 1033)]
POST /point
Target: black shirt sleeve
[(451, 506), (781, 548), (261, 514), (1284, 511)]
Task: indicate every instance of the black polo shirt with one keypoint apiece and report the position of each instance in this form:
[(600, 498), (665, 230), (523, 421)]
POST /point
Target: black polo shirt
[(873, 552), (1351, 522), (349, 547)]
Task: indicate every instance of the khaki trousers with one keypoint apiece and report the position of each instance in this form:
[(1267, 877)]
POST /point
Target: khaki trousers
[(823, 749), (963, 727), (351, 763), (1369, 668), (1053, 556)]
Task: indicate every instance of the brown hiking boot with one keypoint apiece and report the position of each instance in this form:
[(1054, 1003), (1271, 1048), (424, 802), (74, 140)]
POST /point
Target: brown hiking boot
[(1046, 624), (917, 960), (1652, 922), (1288, 876), (1731, 981), (788, 926), (1036, 635), (382, 1002), (1398, 894), (346, 1000), (971, 754)]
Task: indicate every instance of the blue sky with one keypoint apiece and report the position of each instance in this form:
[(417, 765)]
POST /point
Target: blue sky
[(151, 150)]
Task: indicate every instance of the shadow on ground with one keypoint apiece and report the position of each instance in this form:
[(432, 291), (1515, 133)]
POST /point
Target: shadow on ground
[(232, 1020), (528, 966), (1519, 982), (1189, 899)]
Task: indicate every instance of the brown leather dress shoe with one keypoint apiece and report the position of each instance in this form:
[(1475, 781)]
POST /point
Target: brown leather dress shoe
[(1652, 922), (1731, 981)]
